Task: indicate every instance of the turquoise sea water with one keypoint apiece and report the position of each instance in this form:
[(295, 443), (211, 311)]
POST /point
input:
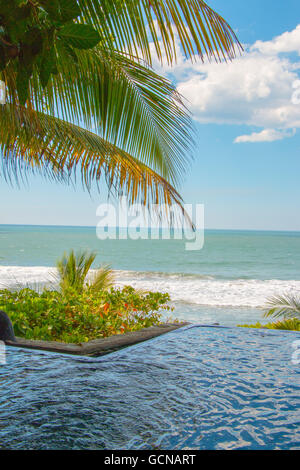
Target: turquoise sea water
[(228, 281)]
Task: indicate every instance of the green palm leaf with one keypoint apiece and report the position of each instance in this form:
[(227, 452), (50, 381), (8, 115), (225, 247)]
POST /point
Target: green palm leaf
[(73, 269), (286, 306), (105, 111), (124, 101), (132, 24), (102, 279), (38, 142)]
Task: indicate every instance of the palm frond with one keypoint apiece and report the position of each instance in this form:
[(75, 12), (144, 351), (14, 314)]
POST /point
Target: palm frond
[(103, 279), (132, 24), (142, 130), (286, 306), (38, 142), (73, 268), (123, 101)]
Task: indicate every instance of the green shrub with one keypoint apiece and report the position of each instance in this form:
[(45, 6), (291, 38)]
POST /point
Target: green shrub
[(76, 317), (288, 324)]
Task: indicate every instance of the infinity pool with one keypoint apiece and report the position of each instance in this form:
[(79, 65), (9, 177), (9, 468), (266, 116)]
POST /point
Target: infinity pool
[(195, 388)]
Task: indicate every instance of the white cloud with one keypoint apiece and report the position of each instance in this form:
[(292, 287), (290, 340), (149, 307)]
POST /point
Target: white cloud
[(267, 135), (286, 42), (257, 89)]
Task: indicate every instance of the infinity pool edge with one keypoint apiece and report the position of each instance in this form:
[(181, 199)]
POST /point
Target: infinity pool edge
[(101, 346)]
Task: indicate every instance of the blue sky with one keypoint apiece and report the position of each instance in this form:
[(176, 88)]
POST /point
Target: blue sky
[(247, 159)]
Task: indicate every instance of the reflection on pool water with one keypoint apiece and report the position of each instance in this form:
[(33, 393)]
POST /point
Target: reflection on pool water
[(195, 388)]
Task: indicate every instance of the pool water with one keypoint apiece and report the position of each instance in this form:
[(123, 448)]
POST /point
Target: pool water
[(195, 388)]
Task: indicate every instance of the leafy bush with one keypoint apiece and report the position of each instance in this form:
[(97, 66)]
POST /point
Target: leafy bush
[(76, 317), (289, 324)]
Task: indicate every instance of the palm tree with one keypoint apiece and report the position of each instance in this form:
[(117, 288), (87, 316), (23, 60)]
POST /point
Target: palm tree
[(73, 270), (81, 93), (286, 306)]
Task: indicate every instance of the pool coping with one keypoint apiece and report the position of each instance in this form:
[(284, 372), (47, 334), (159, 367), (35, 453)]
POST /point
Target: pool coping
[(101, 346)]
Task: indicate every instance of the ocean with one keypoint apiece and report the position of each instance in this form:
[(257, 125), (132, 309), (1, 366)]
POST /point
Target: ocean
[(227, 282)]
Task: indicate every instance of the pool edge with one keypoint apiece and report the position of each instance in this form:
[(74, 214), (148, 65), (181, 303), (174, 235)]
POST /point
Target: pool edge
[(99, 347)]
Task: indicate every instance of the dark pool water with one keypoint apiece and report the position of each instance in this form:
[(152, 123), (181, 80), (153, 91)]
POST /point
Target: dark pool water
[(197, 388)]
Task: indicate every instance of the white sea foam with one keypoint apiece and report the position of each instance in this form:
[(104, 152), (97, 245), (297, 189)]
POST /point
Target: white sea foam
[(212, 292), (25, 276), (193, 289)]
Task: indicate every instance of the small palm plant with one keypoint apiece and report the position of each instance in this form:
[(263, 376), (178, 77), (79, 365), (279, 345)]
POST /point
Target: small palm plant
[(73, 270), (287, 308)]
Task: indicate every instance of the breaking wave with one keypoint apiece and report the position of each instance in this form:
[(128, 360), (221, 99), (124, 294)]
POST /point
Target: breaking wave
[(188, 288)]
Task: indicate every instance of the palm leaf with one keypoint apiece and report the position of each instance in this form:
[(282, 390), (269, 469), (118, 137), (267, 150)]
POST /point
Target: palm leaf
[(131, 25), (286, 306), (73, 268), (103, 279), (124, 101), (143, 128), (38, 142)]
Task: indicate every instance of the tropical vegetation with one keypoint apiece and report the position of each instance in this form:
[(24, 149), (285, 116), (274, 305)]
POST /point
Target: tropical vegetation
[(73, 270), (81, 305), (77, 317), (286, 308), (289, 324), (83, 100)]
